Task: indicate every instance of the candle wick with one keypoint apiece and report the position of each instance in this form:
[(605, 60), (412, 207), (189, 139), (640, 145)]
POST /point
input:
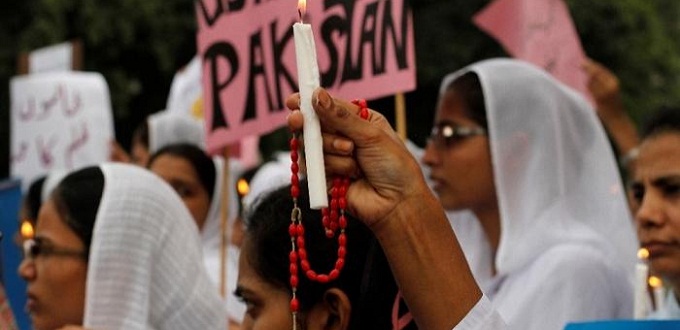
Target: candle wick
[(300, 14)]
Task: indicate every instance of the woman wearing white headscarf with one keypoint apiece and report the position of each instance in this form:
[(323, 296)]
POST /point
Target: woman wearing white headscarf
[(116, 249), (199, 180), (529, 158), (157, 131)]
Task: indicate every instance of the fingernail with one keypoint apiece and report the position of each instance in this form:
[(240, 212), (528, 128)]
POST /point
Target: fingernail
[(343, 145), (323, 99)]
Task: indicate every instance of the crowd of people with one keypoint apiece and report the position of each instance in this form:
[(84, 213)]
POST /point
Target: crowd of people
[(514, 216)]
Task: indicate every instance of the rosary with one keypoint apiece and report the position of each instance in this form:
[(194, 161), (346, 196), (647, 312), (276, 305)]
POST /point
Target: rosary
[(333, 219)]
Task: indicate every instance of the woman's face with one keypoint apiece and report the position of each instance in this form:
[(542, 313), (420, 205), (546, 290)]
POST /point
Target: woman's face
[(182, 176), (656, 195), (267, 305), (461, 169), (56, 275)]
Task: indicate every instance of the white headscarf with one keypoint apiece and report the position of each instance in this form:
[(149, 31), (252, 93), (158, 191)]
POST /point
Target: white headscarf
[(269, 177), (210, 236), (186, 88), (52, 179), (554, 170), (166, 128), (145, 269)]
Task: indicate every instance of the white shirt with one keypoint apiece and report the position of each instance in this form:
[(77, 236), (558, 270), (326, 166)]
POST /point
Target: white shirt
[(482, 317), (670, 310)]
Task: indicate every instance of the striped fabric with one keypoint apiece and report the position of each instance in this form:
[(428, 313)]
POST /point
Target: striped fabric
[(145, 269)]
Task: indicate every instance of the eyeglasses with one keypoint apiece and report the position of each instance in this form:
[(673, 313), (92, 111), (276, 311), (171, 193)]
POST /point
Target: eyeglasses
[(34, 248), (445, 134)]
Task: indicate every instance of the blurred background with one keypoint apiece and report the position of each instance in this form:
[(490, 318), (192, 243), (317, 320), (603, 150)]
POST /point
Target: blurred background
[(138, 45)]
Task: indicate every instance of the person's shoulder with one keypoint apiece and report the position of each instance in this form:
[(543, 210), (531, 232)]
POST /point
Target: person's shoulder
[(583, 271)]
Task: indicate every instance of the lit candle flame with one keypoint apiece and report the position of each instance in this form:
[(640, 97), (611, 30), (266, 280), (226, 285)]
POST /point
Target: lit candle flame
[(655, 282), (26, 229), (242, 187), (643, 254), (302, 8)]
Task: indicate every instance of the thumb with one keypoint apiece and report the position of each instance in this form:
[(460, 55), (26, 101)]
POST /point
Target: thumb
[(343, 117)]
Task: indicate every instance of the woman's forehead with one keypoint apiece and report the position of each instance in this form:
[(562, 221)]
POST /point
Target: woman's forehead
[(452, 109)]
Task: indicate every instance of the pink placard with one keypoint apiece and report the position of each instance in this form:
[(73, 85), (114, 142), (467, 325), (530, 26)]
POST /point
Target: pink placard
[(541, 32), (365, 50)]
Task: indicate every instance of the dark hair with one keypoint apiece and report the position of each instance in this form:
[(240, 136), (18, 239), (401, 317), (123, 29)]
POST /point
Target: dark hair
[(366, 277), (33, 199), (470, 89), (77, 199), (141, 133), (199, 160), (666, 119)]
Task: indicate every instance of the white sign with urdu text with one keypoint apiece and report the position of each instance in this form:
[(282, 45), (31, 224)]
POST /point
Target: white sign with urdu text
[(58, 121)]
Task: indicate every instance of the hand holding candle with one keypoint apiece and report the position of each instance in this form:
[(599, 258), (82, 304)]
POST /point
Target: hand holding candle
[(308, 81)]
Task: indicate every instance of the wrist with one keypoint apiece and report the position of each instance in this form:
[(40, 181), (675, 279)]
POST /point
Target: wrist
[(419, 204)]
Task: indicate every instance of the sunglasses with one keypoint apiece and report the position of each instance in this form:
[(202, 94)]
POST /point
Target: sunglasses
[(34, 248), (444, 135)]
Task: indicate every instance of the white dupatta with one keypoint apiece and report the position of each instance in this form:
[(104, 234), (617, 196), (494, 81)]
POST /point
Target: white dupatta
[(145, 269), (166, 128)]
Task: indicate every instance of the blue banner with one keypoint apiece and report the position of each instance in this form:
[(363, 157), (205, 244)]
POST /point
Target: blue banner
[(10, 200)]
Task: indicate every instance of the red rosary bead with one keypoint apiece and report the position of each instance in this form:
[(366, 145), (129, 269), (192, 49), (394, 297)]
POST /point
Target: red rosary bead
[(322, 278), (311, 275), (340, 263), (294, 305)]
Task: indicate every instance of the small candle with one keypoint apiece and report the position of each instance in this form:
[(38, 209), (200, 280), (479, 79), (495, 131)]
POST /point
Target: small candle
[(641, 295), (308, 81), (26, 230), (658, 291)]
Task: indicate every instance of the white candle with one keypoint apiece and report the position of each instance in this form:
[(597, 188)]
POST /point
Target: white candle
[(308, 81), (658, 291), (641, 295)]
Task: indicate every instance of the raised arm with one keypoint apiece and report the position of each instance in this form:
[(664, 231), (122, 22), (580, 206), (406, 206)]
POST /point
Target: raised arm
[(391, 197)]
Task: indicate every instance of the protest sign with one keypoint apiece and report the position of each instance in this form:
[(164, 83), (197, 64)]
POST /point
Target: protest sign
[(365, 50), (58, 121), (540, 32), (65, 56)]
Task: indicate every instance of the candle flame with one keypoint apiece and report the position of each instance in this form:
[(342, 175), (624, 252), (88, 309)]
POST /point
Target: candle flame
[(655, 282), (643, 253), (26, 229), (302, 8), (243, 187)]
